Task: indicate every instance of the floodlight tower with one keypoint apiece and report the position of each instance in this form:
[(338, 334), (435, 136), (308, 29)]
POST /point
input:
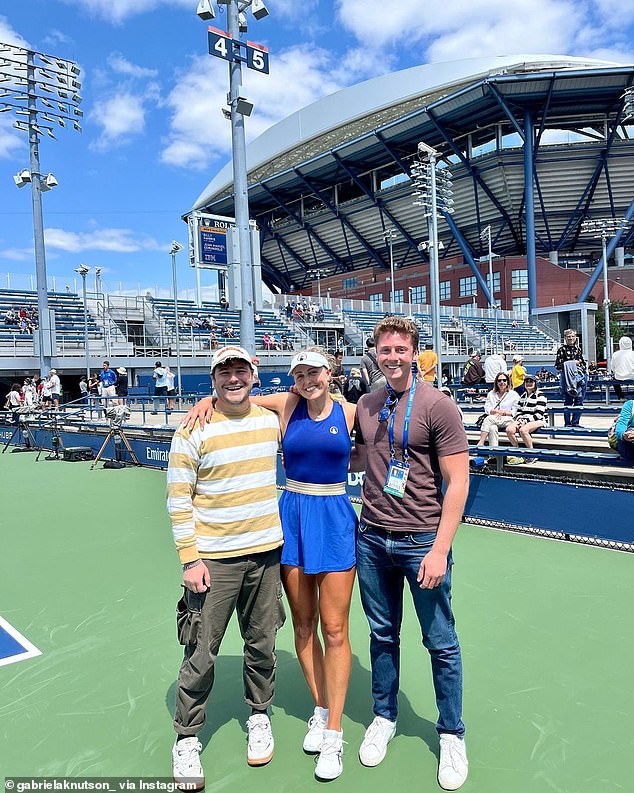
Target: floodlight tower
[(227, 45), (433, 191), (604, 229), (41, 90)]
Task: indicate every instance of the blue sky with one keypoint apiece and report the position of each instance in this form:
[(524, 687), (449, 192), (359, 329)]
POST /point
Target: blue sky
[(153, 132)]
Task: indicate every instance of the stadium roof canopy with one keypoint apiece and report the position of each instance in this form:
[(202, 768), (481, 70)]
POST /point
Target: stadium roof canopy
[(327, 181)]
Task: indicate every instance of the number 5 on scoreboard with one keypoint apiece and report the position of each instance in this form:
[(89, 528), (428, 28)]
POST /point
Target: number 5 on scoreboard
[(257, 57), (220, 44)]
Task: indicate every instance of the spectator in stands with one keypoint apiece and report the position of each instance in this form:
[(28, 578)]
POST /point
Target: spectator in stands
[(227, 330), (211, 322), (337, 375), (287, 344), (14, 402), (122, 385), (83, 389), (45, 394), (94, 387), (213, 340), (530, 416), (108, 380), (277, 342), (257, 318), (493, 365), (500, 408), (370, 371), (267, 341), (10, 317), (319, 315), (427, 363), (55, 386), (355, 386), (473, 372), (224, 303), (171, 390), (159, 375), (518, 373), (624, 431), (572, 377), (29, 393), (623, 364), (593, 371)]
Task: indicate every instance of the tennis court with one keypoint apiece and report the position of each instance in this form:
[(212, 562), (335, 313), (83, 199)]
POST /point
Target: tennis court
[(90, 578)]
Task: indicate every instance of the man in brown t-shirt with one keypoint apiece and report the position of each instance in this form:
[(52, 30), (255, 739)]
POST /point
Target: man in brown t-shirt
[(409, 438)]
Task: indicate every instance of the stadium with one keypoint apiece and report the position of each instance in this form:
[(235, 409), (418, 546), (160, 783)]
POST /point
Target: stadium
[(536, 145)]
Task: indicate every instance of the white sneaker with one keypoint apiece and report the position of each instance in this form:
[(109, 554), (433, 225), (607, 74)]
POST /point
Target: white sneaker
[(453, 765), (375, 741), (316, 726), (260, 743), (186, 768), (330, 762)]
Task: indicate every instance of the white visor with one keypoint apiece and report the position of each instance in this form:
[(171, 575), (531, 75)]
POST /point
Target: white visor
[(309, 358)]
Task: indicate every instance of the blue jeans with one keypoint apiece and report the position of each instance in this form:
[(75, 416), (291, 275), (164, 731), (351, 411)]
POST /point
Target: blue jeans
[(572, 417), (385, 560)]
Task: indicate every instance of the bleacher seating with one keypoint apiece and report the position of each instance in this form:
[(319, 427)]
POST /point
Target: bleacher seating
[(69, 316), (513, 335), (187, 308)]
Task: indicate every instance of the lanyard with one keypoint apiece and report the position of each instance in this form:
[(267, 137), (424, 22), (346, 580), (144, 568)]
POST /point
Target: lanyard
[(390, 426)]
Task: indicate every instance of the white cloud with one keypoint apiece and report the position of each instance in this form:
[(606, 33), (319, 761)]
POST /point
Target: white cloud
[(460, 29), (199, 133), (17, 254), (10, 140), (9, 36), (117, 11), (121, 65), (121, 116), (112, 240)]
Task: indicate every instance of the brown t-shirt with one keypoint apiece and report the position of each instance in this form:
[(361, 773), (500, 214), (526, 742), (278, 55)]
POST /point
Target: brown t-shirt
[(435, 430)]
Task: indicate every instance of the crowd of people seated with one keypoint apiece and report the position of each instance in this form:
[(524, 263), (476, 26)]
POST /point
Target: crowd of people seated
[(303, 311), (24, 320)]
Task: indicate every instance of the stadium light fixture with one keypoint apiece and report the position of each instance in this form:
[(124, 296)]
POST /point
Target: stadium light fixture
[(205, 10), (175, 248), (29, 88), (259, 9), (432, 191), (390, 235), (603, 229), (83, 271)]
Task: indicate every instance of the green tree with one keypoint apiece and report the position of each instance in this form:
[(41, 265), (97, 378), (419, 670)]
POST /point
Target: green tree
[(617, 307)]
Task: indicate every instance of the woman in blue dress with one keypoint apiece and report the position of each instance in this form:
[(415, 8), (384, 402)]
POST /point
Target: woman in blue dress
[(318, 556)]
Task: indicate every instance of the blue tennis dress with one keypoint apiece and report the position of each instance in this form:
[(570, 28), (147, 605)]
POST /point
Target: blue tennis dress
[(319, 530)]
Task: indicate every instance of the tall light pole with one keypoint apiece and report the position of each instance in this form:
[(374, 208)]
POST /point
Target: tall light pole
[(83, 270), (318, 273), (602, 229), (390, 234), (41, 90), (493, 307), (433, 191), (176, 247), (229, 47)]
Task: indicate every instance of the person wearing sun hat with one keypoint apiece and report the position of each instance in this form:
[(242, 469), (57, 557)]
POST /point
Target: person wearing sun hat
[(222, 501), (318, 558)]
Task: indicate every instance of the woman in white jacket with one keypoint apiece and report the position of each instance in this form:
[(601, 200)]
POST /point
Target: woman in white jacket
[(500, 408)]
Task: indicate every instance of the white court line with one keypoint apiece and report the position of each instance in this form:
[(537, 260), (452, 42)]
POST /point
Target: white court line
[(30, 650)]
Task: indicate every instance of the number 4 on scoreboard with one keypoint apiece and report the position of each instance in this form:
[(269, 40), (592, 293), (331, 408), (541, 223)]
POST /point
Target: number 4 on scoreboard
[(220, 44)]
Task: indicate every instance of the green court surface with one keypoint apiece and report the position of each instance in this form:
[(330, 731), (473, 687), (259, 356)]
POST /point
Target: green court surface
[(89, 575)]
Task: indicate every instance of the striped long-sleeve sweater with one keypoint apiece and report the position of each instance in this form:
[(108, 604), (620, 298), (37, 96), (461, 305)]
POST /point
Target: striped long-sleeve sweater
[(221, 494), (531, 407)]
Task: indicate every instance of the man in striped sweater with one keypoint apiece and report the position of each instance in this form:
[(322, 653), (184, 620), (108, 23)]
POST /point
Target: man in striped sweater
[(222, 501)]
